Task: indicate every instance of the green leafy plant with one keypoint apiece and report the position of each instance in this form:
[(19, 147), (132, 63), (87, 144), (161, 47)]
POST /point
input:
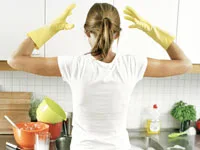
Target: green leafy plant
[(35, 101), (182, 111)]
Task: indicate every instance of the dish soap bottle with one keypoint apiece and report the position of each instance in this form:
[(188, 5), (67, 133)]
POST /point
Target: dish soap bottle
[(153, 122)]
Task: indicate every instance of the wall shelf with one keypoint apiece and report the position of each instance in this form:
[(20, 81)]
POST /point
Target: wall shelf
[(5, 67), (196, 68)]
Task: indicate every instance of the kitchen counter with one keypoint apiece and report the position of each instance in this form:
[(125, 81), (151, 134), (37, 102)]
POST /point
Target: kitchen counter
[(10, 138), (189, 142), (4, 139)]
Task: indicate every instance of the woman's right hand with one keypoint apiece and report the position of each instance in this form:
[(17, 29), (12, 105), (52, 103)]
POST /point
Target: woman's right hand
[(160, 36), (179, 62), (138, 21)]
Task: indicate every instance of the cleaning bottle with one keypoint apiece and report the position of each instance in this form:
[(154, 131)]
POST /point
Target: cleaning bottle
[(153, 122)]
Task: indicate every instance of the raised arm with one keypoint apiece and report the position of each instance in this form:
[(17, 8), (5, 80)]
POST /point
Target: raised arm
[(179, 62), (21, 58)]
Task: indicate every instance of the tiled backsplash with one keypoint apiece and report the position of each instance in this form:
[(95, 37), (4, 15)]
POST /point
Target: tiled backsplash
[(162, 91)]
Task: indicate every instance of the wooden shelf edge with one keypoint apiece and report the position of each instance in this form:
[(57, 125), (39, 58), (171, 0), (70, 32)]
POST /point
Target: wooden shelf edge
[(5, 67), (196, 68)]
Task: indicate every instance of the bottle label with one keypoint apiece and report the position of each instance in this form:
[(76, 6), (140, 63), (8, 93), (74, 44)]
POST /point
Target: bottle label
[(155, 126)]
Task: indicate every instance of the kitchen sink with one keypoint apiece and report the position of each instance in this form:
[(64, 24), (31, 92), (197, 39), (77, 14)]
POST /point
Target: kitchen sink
[(187, 143), (178, 141), (145, 142)]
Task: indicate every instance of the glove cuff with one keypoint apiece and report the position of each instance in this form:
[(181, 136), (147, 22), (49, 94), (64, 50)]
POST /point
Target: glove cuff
[(161, 37), (41, 36)]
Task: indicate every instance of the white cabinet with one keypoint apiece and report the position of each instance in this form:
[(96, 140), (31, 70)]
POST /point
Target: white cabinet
[(22, 16), (160, 13), (189, 29), (71, 42), (18, 18)]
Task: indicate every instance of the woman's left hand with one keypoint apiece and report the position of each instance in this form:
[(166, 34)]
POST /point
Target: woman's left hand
[(42, 35), (60, 23)]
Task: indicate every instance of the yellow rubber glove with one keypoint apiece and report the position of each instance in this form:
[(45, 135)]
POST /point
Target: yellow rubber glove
[(160, 36), (42, 35)]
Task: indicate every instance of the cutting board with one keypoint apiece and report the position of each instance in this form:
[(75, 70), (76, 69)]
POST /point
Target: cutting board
[(16, 106)]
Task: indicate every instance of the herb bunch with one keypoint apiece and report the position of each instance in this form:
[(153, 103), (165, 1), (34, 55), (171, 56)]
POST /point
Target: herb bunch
[(182, 111)]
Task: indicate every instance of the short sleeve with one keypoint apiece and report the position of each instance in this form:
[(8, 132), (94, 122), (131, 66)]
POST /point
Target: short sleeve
[(65, 64), (139, 66)]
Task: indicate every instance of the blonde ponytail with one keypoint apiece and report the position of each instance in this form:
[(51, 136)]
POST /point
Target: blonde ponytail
[(104, 40), (103, 21)]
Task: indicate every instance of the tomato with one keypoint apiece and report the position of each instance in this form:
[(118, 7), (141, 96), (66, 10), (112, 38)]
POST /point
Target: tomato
[(198, 125)]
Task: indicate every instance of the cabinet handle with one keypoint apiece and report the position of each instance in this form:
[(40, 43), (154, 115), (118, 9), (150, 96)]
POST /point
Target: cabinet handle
[(36, 52)]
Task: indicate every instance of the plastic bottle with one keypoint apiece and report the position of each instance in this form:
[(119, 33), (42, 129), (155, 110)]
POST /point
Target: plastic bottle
[(153, 122)]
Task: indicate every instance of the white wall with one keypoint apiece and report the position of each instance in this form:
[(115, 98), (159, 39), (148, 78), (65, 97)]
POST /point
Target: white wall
[(163, 91)]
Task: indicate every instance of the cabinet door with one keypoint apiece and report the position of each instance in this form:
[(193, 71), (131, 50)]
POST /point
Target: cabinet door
[(18, 18), (189, 29), (159, 13), (71, 42)]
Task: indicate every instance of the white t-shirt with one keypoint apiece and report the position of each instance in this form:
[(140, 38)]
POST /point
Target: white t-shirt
[(100, 94)]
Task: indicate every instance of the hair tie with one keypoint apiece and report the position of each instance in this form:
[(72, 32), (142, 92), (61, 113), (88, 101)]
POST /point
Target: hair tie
[(106, 18)]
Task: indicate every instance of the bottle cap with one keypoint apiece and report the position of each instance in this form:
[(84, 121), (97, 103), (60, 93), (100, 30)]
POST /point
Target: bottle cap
[(155, 106)]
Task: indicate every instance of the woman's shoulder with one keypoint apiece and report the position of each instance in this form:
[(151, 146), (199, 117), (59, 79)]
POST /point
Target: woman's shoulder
[(83, 58), (133, 56)]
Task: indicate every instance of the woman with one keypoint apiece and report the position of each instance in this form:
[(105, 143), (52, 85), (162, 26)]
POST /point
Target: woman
[(102, 81)]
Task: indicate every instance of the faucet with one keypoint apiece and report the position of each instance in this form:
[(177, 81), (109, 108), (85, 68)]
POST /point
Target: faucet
[(67, 125), (64, 141)]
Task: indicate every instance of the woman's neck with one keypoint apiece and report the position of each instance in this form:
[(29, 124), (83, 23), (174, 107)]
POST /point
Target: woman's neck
[(109, 58)]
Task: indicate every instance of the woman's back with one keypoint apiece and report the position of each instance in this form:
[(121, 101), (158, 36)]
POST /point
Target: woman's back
[(101, 93)]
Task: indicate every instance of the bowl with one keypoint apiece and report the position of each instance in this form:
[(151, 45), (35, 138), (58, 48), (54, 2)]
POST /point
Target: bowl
[(25, 135), (55, 130), (50, 112)]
